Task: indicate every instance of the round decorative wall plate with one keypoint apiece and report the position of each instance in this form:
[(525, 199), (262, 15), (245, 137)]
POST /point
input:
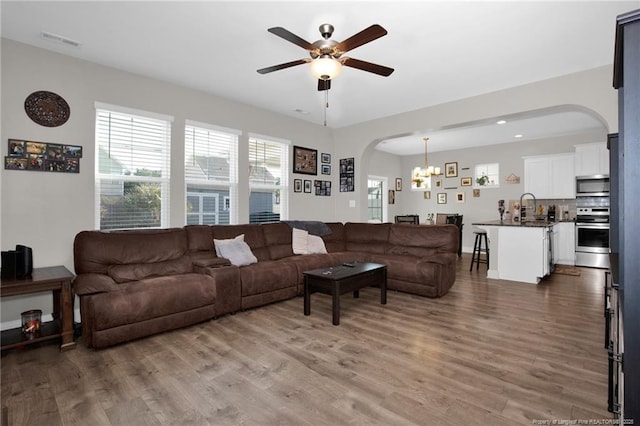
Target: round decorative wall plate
[(47, 108)]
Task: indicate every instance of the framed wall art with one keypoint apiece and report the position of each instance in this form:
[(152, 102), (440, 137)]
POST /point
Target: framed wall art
[(297, 185), (460, 197), (307, 186), (347, 175), (323, 187), (305, 160), (465, 181), (326, 169), (451, 169), (325, 158), (43, 156), (442, 198), (398, 184)]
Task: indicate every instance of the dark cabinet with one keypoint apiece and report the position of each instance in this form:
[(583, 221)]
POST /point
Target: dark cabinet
[(625, 226)]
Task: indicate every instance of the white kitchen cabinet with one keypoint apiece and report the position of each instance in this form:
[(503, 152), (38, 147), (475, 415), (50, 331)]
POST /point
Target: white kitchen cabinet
[(564, 243), (591, 159), (523, 253), (550, 176)]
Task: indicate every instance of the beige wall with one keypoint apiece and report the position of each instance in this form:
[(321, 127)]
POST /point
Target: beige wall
[(45, 211)]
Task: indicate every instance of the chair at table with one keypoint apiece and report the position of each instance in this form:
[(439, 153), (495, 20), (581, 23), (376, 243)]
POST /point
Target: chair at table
[(457, 221), (412, 219)]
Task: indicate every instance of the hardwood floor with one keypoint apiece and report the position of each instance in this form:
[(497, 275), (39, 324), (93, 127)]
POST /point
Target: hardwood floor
[(489, 352)]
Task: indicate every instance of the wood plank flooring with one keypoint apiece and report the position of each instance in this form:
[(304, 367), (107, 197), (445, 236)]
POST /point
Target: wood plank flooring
[(489, 352)]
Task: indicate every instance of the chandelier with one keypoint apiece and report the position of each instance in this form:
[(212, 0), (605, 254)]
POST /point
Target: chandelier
[(421, 176)]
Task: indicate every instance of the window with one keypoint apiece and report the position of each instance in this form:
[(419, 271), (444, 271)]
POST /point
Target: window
[(211, 174), (132, 168), (376, 203), (268, 179), (487, 175)]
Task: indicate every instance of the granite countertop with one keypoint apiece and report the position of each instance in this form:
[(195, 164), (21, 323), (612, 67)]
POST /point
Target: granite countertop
[(526, 223)]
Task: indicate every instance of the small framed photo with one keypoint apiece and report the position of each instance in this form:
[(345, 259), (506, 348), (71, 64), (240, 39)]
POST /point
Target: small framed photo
[(476, 193), (451, 169), (392, 196), (466, 181), (305, 160), (17, 148), (297, 185), (442, 198), (15, 163), (460, 197), (325, 158), (427, 195), (398, 184), (326, 169), (307, 186), (438, 183)]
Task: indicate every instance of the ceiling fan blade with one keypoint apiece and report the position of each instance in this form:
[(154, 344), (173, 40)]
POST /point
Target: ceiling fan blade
[(324, 85), (367, 66), (291, 37), (365, 36), (282, 66)]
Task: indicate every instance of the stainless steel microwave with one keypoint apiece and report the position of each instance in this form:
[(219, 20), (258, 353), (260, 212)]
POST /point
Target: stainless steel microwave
[(592, 186)]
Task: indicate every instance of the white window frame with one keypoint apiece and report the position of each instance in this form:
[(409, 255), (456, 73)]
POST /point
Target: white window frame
[(231, 184), (283, 187), (491, 170), (165, 159)]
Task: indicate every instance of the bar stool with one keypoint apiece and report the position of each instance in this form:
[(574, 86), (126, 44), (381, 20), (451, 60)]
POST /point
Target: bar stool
[(478, 249)]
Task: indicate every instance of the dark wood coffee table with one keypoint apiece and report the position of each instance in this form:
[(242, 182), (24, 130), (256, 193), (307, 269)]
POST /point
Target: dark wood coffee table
[(338, 280)]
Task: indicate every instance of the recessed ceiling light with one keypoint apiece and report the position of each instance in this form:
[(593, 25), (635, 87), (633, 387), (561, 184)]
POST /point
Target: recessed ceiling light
[(518, 136), (501, 122), (301, 111)]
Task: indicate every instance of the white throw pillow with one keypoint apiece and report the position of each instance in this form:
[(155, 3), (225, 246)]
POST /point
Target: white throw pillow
[(236, 250), (315, 244), (299, 241)]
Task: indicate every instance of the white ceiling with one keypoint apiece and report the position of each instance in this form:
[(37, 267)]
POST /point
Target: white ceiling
[(441, 51)]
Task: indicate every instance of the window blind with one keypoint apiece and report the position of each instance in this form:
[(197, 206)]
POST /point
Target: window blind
[(268, 179), (211, 174), (133, 168)]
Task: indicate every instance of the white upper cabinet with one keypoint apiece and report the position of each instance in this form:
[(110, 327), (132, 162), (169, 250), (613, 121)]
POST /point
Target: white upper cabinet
[(550, 176), (592, 159)]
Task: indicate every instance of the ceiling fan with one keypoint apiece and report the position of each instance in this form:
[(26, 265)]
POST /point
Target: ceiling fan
[(326, 54)]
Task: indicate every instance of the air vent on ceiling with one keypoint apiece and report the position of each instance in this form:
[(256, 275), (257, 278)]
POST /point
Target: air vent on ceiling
[(59, 39)]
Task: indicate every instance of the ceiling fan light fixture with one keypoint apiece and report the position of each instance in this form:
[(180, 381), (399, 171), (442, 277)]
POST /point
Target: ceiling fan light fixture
[(325, 68)]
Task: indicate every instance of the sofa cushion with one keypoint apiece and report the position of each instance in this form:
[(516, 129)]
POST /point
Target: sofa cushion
[(139, 271), (138, 301), (253, 236), (315, 245), (335, 241), (277, 238), (367, 237), (95, 251), (200, 237), (268, 275), (429, 240), (299, 241), (236, 250)]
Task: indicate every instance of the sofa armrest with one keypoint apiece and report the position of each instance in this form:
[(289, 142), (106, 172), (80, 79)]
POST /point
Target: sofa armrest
[(85, 284), (228, 287)]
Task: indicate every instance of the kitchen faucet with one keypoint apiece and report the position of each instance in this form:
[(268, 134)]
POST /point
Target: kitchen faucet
[(523, 210)]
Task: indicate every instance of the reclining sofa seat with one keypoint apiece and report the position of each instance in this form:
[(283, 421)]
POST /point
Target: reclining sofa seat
[(136, 283)]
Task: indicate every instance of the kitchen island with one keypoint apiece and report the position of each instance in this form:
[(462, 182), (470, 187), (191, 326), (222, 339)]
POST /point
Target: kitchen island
[(519, 251)]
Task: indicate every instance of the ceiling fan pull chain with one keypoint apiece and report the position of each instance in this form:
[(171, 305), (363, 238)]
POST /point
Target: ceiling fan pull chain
[(326, 105)]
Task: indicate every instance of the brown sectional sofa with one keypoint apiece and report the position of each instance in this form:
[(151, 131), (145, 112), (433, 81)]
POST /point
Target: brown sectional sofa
[(136, 283)]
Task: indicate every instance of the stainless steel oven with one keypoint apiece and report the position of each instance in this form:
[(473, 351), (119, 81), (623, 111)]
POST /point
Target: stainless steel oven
[(592, 237)]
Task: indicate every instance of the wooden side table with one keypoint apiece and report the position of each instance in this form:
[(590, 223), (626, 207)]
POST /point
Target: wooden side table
[(58, 280)]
